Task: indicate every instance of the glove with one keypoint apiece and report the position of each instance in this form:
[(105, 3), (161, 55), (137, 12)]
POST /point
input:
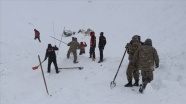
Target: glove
[(127, 45), (157, 65)]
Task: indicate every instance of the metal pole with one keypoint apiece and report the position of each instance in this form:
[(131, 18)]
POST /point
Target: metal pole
[(43, 74), (54, 32)]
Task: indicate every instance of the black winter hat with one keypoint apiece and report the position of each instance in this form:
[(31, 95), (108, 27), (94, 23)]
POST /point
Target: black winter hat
[(101, 33), (49, 46)]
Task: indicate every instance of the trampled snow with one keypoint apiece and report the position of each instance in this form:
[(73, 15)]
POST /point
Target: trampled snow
[(161, 20)]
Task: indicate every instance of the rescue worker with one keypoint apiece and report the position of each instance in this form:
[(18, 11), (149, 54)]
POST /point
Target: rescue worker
[(102, 43), (37, 35), (51, 55), (82, 48), (146, 57), (74, 45), (131, 70), (92, 46)]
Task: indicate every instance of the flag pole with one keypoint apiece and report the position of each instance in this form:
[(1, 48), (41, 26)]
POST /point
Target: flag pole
[(43, 74)]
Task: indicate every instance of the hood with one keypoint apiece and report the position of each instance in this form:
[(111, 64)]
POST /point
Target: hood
[(92, 33), (148, 42), (49, 46)]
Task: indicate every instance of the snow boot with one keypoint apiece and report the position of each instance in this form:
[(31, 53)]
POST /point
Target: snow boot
[(142, 88), (100, 61), (129, 84), (75, 62), (57, 72), (136, 83)]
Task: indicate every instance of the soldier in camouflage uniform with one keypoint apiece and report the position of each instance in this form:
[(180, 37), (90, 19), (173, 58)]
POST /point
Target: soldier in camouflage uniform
[(69, 51), (131, 70), (74, 45), (145, 58)]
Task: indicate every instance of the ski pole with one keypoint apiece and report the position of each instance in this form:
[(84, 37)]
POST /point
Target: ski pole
[(113, 84)]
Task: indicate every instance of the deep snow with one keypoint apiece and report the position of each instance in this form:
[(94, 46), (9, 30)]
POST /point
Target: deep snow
[(162, 21)]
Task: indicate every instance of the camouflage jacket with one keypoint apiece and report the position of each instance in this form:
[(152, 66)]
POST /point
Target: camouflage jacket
[(74, 45), (145, 58), (132, 48)]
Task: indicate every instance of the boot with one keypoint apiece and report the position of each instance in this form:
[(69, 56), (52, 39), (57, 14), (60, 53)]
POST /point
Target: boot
[(129, 84), (57, 72), (142, 87), (100, 61), (75, 62), (136, 83), (93, 59)]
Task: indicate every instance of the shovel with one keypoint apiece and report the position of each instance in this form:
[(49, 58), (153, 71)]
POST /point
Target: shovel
[(113, 83)]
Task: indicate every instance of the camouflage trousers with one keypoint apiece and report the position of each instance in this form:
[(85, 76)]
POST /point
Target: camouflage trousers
[(132, 72), (147, 76), (74, 54)]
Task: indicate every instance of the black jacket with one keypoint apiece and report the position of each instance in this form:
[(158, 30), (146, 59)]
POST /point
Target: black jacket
[(50, 53), (102, 42)]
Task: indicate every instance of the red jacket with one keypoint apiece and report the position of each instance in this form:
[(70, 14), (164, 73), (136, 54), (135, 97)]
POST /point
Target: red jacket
[(83, 46), (92, 40), (36, 33)]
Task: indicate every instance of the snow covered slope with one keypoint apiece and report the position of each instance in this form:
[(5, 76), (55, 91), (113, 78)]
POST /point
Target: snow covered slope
[(162, 21)]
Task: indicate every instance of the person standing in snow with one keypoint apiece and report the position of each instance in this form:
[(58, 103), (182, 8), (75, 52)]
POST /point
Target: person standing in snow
[(92, 46), (74, 45), (69, 50), (131, 70), (82, 48), (102, 43), (51, 55), (37, 35), (145, 57)]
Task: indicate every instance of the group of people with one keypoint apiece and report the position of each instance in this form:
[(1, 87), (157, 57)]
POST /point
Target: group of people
[(143, 57), (74, 45)]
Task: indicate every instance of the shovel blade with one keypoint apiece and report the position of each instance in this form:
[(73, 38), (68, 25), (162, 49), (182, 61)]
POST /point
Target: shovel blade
[(35, 67), (112, 84)]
